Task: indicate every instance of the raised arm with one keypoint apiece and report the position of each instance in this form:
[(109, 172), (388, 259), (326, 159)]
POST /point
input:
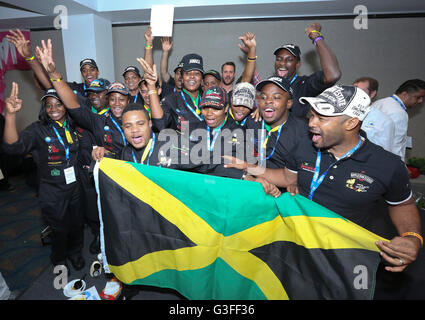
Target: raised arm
[(328, 60), (68, 97), (13, 105), (167, 44), (250, 49), (151, 78), (149, 46), (24, 48)]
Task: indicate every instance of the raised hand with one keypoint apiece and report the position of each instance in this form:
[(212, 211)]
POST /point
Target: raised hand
[(248, 40), (148, 36), (13, 103), (315, 26), (45, 56), (20, 42), (150, 75), (167, 44)]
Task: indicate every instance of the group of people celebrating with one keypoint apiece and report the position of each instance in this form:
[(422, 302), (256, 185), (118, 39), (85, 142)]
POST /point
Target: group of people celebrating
[(300, 134)]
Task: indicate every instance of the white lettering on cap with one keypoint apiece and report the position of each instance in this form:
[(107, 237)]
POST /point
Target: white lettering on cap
[(275, 79), (195, 61)]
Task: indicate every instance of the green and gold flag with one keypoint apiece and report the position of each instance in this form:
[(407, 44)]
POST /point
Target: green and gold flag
[(219, 238)]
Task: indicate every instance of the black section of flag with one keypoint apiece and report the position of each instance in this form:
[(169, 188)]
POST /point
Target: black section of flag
[(319, 273), (132, 228)]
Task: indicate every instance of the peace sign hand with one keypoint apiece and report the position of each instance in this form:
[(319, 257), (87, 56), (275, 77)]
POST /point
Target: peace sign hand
[(150, 74), (13, 103)]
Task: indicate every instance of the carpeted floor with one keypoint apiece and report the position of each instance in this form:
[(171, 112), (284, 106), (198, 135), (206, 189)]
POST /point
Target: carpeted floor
[(22, 256)]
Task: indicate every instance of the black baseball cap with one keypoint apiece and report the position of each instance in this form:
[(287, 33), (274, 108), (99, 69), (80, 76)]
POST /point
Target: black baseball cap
[(50, 93), (214, 97), (214, 73), (132, 69), (98, 85), (90, 62), (193, 61), (118, 87), (281, 82), (179, 66), (292, 48)]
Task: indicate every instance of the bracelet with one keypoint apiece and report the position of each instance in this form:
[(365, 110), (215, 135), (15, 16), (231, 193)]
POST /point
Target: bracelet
[(30, 59), (152, 92), (148, 46), (56, 80), (414, 234), (252, 59), (315, 31), (317, 38)]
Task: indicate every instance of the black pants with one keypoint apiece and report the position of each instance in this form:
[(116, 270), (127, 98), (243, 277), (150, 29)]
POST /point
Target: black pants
[(89, 201), (61, 208)]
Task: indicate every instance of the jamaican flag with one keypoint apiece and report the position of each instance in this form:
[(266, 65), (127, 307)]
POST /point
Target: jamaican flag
[(219, 238)]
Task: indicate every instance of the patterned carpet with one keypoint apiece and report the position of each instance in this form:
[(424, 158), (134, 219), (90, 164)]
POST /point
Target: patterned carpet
[(22, 256)]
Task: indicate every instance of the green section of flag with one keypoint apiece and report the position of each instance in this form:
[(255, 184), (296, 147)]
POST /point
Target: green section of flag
[(240, 288)]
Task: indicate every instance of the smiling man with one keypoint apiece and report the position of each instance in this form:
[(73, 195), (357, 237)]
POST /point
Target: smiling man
[(277, 135), (97, 95), (228, 71), (132, 79), (182, 109), (288, 62), (89, 71), (242, 103), (341, 170)]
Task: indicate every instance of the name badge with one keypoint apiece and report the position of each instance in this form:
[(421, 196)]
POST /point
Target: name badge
[(69, 175)]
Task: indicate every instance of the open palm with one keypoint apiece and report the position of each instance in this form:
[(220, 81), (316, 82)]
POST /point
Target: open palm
[(45, 56)]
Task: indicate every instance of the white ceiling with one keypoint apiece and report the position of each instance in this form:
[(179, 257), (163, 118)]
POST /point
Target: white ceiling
[(39, 14)]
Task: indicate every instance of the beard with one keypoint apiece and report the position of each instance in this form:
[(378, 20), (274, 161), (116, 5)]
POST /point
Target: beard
[(228, 81)]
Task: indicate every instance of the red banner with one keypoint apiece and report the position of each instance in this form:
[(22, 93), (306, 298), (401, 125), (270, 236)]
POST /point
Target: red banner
[(10, 59)]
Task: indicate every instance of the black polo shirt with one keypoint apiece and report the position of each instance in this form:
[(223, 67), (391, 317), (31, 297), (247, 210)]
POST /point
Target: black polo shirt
[(78, 88), (50, 153), (281, 146), (306, 86), (238, 123), (353, 186), (180, 113), (167, 151), (136, 99), (105, 128), (229, 140), (87, 141), (168, 87)]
